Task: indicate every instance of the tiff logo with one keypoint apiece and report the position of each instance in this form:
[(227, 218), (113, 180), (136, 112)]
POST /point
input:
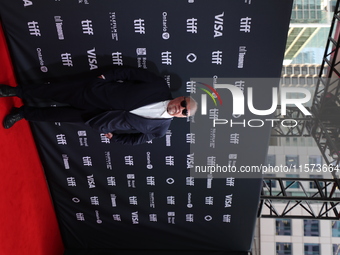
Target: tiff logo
[(117, 58), (33, 28), (191, 138), (217, 57), (71, 182), (87, 27), (66, 59), (191, 87), (129, 160), (166, 58), (61, 139), (170, 160), (245, 25), (87, 161), (139, 26), (104, 139), (150, 181), (192, 26)]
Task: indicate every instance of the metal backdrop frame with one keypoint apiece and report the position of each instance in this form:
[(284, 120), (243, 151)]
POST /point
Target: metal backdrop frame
[(325, 130)]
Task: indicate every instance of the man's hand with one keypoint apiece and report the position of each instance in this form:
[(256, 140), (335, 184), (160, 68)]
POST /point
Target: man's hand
[(109, 135)]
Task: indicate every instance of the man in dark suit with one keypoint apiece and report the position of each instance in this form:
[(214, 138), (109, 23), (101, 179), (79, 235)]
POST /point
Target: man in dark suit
[(129, 105)]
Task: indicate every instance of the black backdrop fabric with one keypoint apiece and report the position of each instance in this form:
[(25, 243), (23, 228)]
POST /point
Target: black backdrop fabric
[(110, 197)]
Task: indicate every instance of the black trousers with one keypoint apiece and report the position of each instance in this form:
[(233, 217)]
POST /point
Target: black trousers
[(58, 114), (67, 93)]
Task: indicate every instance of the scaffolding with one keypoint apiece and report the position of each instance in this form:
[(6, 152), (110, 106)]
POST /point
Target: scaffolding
[(324, 127)]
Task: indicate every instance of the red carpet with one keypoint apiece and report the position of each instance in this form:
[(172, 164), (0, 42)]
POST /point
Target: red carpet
[(28, 222)]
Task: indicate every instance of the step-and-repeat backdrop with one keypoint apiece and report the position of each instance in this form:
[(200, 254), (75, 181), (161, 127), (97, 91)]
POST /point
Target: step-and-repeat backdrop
[(113, 197)]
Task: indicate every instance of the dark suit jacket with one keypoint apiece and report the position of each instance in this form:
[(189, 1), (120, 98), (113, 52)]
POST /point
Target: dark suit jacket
[(123, 90)]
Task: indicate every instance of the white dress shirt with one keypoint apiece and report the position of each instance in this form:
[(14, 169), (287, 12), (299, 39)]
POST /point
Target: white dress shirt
[(154, 111)]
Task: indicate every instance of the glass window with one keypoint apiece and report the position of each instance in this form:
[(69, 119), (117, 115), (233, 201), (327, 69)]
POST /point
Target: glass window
[(310, 80), (312, 185), (311, 227), (312, 249), (304, 70), (271, 160), (286, 80), (336, 228), (283, 248), (292, 160), (311, 70), (302, 80), (270, 183), (318, 70), (336, 249), (316, 159), (315, 162), (295, 184), (305, 4), (289, 70), (293, 16), (283, 227), (306, 14), (295, 80), (313, 14), (295, 140), (297, 70)]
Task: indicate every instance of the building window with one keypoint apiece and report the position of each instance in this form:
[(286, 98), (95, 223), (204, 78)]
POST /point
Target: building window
[(318, 69), (283, 227), (295, 80), (283, 248), (297, 70), (304, 70), (315, 164), (292, 161), (335, 228), (302, 80), (312, 70), (289, 70), (336, 249), (315, 161), (271, 160), (270, 183), (292, 184), (312, 249), (312, 185), (311, 227), (310, 81)]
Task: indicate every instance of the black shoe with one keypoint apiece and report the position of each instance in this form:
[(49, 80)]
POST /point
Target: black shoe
[(7, 91), (12, 118)]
